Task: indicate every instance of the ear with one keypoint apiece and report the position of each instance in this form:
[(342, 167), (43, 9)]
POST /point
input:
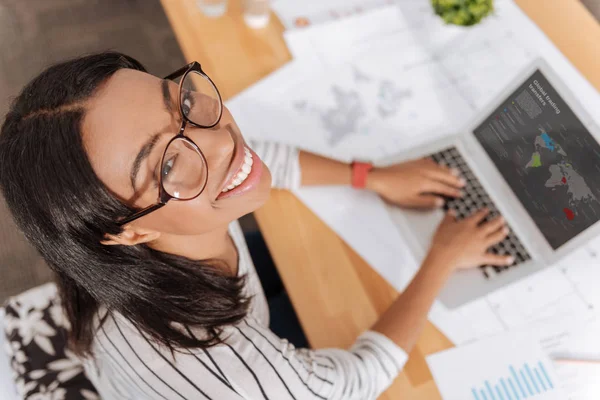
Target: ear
[(131, 236)]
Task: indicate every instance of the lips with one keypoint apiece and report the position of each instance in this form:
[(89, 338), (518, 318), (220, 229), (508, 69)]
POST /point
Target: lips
[(242, 173), (244, 177)]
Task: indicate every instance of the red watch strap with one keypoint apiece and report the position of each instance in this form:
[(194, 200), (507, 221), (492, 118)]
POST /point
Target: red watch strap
[(360, 171)]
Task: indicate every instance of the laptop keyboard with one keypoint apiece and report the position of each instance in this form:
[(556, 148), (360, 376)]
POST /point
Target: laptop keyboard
[(475, 197)]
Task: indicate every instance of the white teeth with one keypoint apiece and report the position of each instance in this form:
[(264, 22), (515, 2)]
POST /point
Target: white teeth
[(243, 172)]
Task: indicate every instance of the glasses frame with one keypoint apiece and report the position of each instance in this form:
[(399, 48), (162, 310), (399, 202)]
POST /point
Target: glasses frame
[(163, 196)]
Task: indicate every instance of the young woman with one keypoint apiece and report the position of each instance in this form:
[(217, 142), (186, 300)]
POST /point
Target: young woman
[(130, 187)]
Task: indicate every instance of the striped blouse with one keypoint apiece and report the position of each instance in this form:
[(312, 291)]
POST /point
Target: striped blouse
[(252, 363)]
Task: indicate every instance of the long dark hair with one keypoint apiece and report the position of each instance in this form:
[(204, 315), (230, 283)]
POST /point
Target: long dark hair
[(64, 210)]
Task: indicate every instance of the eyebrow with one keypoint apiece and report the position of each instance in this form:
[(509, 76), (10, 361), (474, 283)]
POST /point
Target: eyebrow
[(153, 140)]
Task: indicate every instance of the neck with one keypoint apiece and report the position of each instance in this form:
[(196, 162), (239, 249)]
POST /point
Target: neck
[(210, 245)]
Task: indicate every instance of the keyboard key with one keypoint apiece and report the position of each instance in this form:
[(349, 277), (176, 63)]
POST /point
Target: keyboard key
[(475, 197)]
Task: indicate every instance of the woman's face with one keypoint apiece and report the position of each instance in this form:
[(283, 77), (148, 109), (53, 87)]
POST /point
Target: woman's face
[(134, 116)]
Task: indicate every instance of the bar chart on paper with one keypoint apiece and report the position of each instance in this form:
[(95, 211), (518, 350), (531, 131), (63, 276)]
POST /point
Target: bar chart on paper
[(505, 367), (519, 382)]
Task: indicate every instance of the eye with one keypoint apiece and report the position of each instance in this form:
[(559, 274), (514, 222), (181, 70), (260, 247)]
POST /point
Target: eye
[(168, 166), (187, 102)]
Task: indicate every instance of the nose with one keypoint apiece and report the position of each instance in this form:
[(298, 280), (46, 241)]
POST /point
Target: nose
[(217, 144)]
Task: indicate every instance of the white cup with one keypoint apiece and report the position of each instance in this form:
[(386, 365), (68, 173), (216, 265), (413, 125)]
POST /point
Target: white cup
[(257, 13), (212, 8)]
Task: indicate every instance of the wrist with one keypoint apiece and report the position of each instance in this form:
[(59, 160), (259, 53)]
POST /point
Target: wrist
[(372, 180), (440, 260), (360, 174)]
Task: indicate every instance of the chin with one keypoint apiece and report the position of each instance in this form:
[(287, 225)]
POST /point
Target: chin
[(263, 191), (256, 198)]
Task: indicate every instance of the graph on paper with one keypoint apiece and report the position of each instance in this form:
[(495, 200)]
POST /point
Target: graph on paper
[(505, 367), (526, 381)]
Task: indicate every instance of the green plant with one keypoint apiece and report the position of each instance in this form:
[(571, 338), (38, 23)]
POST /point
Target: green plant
[(463, 12)]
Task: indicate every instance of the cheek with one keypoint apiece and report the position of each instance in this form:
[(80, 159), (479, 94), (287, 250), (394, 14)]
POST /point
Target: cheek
[(198, 216), (183, 218)]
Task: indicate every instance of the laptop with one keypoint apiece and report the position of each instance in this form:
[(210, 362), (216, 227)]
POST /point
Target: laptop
[(530, 156)]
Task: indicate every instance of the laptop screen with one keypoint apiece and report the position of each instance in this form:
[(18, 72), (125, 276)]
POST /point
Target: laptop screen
[(548, 158)]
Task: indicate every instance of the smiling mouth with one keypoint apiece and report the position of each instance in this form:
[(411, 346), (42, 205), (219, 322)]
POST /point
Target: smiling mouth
[(241, 176)]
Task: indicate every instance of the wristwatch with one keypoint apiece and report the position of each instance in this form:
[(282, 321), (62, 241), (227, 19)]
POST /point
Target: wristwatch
[(360, 170)]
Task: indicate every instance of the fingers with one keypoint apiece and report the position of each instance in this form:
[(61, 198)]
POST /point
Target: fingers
[(441, 188), (497, 236), (449, 217), (478, 216), (497, 260), (427, 201), (444, 174), (493, 225)]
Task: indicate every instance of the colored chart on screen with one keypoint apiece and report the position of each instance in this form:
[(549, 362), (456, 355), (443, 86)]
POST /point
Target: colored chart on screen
[(548, 157), (505, 367)]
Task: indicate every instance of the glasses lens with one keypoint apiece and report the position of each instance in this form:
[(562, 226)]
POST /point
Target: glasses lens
[(200, 101), (184, 170)]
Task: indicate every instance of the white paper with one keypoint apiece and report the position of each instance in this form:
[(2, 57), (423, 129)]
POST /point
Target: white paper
[(566, 338), (572, 339), (296, 14), (568, 289), (333, 44), (360, 216), (512, 366), (365, 110)]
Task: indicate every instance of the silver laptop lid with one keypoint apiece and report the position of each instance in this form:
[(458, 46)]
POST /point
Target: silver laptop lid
[(540, 146)]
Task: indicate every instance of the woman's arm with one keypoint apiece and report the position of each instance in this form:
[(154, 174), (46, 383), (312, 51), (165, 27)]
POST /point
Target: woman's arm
[(416, 184), (318, 170), (456, 245), (373, 362), (406, 318)]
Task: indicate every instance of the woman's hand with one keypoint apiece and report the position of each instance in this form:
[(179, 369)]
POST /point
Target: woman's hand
[(415, 184), (464, 244)]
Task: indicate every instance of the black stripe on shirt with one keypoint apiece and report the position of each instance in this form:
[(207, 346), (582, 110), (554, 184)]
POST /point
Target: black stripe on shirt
[(249, 369), (267, 360), (129, 365), (289, 362), (217, 366), (359, 378), (325, 365), (223, 381), (371, 350), (145, 365), (383, 349), (113, 385), (174, 367)]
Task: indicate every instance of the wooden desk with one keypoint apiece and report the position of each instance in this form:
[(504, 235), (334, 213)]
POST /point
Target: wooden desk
[(335, 293)]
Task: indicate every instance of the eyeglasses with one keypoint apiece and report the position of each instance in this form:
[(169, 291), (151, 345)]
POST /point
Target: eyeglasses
[(183, 167)]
